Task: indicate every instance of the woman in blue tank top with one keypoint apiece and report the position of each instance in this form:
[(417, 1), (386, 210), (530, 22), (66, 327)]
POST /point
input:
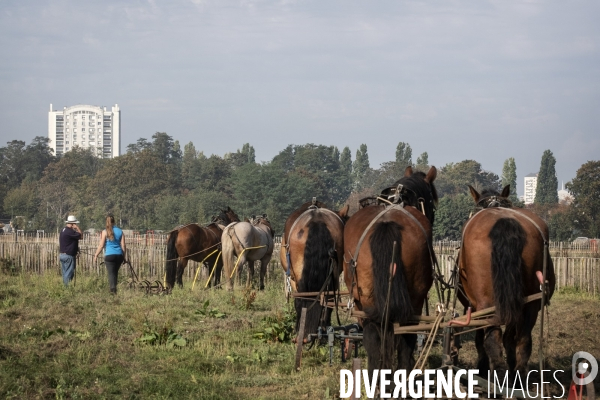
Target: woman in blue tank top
[(112, 241)]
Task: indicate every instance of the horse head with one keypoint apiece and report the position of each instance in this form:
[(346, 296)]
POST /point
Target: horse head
[(491, 198), (415, 189)]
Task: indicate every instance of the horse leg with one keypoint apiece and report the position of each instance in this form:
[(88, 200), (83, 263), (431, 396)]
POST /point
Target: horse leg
[(406, 348), (263, 271), (181, 264), (523, 340), (372, 344), (483, 361), (510, 342), (493, 347), (217, 273)]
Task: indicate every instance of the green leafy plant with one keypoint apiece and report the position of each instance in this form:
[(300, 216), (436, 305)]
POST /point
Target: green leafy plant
[(212, 313), (278, 328), (9, 267), (165, 336)]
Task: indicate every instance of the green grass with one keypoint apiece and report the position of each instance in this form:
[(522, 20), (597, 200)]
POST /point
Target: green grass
[(83, 343)]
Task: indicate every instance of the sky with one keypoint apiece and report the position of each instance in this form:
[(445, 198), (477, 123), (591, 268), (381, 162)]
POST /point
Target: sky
[(480, 80)]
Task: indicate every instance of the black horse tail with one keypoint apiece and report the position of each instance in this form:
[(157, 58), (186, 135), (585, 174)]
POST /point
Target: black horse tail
[(317, 260), (508, 240), (399, 307), (171, 265)]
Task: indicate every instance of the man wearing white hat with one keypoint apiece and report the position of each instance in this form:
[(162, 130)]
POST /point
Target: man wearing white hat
[(69, 247)]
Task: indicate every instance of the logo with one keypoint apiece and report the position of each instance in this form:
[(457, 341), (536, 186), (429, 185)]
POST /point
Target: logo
[(579, 369)]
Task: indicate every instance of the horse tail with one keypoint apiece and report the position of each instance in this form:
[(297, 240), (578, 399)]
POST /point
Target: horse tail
[(508, 240), (172, 256), (315, 272), (381, 243), (228, 254)]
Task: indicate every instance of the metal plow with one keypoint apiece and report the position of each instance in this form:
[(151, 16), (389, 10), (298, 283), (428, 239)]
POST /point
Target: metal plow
[(148, 287)]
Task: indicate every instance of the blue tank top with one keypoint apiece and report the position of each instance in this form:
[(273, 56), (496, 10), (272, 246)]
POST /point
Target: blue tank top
[(113, 247)]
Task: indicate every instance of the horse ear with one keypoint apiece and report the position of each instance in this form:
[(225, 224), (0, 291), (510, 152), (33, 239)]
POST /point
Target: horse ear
[(474, 194), (505, 191), (408, 171), (431, 175), (343, 213)]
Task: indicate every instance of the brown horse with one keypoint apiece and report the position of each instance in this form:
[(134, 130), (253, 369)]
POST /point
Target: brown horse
[(502, 249), (369, 238), (196, 242), (312, 249), (248, 241)]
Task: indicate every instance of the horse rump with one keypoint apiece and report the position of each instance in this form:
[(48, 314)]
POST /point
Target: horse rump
[(317, 259), (381, 243), (508, 240), (172, 256)]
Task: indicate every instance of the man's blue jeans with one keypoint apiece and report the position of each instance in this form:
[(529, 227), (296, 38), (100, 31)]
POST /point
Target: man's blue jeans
[(68, 267)]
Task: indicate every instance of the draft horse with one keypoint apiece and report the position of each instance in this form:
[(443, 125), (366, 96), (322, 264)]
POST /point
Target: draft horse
[(248, 241), (502, 250), (403, 216), (196, 242), (312, 249)]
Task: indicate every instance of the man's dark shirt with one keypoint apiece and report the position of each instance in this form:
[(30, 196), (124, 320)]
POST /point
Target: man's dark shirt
[(69, 241)]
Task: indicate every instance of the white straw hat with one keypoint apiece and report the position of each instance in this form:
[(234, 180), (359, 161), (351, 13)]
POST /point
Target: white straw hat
[(72, 220)]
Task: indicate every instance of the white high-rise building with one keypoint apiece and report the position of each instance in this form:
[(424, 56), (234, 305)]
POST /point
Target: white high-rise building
[(86, 126), (530, 186)]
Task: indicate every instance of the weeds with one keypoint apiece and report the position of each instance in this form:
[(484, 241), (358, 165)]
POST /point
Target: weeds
[(9, 267), (212, 313), (164, 336), (278, 328), (249, 298)]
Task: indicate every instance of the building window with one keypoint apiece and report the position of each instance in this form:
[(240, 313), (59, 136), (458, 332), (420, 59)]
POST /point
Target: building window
[(91, 129), (74, 129), (82, 129)]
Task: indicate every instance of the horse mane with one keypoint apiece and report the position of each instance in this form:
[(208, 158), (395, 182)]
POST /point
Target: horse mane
[(417, 183), (421, 189)]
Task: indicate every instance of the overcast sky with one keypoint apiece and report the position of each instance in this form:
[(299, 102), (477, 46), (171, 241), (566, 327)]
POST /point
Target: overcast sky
[(482, 80)]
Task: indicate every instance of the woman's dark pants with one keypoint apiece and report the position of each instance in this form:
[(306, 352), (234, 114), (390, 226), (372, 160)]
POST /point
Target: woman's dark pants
[(113, 263)]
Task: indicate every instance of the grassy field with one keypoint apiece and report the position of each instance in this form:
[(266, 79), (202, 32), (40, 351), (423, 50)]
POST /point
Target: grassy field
[(81, 342)]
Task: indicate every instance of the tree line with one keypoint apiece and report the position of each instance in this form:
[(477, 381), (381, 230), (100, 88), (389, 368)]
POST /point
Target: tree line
[(158, 185)]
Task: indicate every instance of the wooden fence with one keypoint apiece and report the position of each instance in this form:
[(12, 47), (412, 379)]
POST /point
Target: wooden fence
[(575, 266)]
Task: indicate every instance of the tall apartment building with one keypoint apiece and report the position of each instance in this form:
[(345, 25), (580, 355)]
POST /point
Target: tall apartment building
[(530, 186), (86, 126)]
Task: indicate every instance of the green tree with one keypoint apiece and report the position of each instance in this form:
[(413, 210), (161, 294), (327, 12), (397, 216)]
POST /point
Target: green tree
[(241, 157), (560, 224), (453, 178), (403, 155), (509, 177), (452, 213), (423, 162), (360, 167), (585, 189), (190, 167), (547, 183)]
